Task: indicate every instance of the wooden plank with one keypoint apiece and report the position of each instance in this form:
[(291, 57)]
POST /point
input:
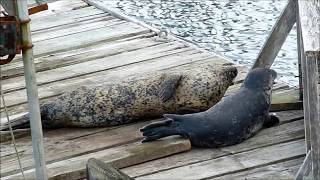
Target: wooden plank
[(60, 6), (87, 38), (313, 111), (122, 156), (99, 64), (286, 100), (6, 135), (75, 28), (310, 30), (305, 169), (57, 149), (266, 137), (233, 163), (103, 77), (277, 36), (282, 170), (53, 61), (310, 25), (65, 18)]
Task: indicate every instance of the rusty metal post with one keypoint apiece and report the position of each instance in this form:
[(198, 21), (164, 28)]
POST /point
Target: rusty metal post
[(32, 91)]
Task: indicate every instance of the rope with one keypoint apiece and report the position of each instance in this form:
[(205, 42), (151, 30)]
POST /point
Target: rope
[(10, 127)]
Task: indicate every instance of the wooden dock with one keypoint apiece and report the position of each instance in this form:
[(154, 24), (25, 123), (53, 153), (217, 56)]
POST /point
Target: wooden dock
[(75, 45)]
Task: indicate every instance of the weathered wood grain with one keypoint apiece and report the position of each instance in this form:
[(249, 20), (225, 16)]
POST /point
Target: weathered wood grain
[(121, 156), (233, 163), (305, 169), (87, 38), (82, 26), (309, 17), (58, 7), (287, 99), (65, 18), (313, 111), (282, 170), (277, 36), (57, 149), (309, 12), (66, 58)]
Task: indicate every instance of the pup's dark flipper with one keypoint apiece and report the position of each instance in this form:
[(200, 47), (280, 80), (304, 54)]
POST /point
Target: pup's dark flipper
[(273, 120), (159, 130)]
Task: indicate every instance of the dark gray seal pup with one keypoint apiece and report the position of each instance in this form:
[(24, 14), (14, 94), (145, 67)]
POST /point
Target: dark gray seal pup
[(140, 96), (231, 121)]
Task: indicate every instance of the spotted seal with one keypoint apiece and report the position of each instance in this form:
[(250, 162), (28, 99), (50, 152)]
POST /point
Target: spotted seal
[(140, 96), (231, 121)]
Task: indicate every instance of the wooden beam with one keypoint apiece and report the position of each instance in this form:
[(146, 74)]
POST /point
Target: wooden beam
[(309, 12), (305, 168), (277, 37), (309, 17)]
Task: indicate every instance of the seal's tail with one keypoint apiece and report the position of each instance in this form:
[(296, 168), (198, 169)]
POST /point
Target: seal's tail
[(160, 129), (17, 123)]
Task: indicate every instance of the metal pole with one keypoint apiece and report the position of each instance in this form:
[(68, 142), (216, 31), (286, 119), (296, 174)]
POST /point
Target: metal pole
[(32, 91)]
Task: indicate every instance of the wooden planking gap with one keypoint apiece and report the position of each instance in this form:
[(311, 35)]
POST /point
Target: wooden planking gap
[(53, 89), (53, 61), (96, 65), (282, 170), (266, 137), (123, 156), (235, 162)]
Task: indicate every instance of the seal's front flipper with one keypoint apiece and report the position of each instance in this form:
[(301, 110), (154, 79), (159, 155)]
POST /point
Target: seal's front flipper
[(168, 86), (160, 129), (272, 120)]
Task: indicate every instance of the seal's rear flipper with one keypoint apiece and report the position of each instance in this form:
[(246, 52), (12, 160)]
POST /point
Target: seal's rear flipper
[(159, 130), (97, 170), (272, 120), (168, 86), (20, 122)]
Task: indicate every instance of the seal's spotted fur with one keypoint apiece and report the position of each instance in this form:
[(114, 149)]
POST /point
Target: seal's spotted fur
[(140, 96)]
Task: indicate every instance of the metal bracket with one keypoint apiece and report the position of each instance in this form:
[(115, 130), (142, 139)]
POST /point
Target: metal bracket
[(10, 39)]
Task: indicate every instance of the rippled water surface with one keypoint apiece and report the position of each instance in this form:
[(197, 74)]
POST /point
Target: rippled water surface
[(234, 28)]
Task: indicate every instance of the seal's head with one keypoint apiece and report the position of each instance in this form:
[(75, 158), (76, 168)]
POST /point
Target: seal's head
[(260, 78)]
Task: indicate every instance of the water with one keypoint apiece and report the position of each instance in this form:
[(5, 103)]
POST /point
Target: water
[(236, 29)]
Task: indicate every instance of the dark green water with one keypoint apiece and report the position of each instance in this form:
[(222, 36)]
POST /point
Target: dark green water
[(236, 29)]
